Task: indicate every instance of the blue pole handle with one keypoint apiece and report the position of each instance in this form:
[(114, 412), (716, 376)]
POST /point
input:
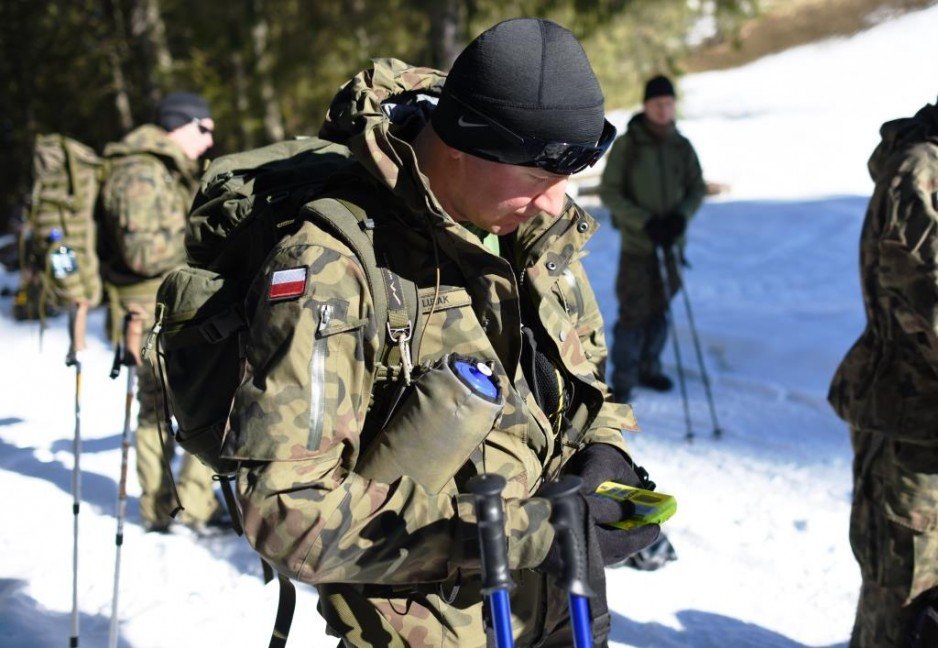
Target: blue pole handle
[(567, 519), (493, 552)]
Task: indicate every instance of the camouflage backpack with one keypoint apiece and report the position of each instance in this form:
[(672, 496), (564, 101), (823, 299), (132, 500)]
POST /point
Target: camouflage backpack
[(66, 178), (246, 203)]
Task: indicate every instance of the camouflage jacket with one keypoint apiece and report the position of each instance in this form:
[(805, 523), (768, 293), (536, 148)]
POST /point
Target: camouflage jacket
[(299, 416), (888, 382), (648, 176), (144, 202)]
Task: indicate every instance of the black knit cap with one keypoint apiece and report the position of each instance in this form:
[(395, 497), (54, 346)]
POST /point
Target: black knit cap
[(179, 108), (529, 75), (659, 86)]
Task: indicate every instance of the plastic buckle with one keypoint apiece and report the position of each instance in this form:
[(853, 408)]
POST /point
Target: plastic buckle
[(212, 333)]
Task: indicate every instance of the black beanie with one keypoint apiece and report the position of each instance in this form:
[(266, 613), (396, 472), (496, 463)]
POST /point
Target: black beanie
[(529, 75), (179, 108), (659, 86)]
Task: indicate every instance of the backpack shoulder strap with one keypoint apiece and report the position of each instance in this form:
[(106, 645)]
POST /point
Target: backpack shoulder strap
[(395, 298)]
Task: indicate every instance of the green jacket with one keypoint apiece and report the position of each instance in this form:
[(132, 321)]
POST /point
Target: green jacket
[(647, 176), (145, 199), (888, 381), (306, 506)]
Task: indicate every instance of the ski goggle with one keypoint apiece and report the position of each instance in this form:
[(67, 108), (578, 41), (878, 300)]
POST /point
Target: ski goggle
[(562, 158)]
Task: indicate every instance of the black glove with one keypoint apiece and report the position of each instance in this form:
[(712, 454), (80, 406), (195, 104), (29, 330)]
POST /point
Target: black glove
[(600, 462), (664, 231), (602, 546), (595, 464)]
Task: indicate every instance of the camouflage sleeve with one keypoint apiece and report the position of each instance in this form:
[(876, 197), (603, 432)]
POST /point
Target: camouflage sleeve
[(613, 418), (319, 527), (145, 217), (694, 186), (625, 214), (298, 417), (908, 268)]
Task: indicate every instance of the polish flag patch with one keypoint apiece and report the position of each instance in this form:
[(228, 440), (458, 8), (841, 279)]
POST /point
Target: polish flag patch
[(287, 284)]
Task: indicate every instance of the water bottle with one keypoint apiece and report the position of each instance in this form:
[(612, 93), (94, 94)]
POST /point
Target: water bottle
[(477, 375), (61, 257)]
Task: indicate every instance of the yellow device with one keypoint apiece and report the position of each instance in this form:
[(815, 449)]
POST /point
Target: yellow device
[(650, 507)]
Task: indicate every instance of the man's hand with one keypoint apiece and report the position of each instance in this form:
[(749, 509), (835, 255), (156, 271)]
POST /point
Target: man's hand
[(596, 463), (664, 231), (600, 462)]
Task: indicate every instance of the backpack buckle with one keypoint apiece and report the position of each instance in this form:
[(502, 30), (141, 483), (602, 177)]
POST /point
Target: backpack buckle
[(401, 337), (220, 327), (211, 332)]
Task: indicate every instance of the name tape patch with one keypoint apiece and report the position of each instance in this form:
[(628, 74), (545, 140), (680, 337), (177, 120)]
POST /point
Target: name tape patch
[(287, 284)]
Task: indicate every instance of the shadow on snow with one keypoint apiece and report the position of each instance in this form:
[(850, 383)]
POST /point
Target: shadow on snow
[(24, 622), (700, 630)]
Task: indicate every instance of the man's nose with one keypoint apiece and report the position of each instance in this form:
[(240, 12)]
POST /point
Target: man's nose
[(551, 200)]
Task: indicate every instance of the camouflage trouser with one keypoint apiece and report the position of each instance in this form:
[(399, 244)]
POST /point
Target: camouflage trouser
[(641, 330), (195, 484), (893, 533), (448, 615)]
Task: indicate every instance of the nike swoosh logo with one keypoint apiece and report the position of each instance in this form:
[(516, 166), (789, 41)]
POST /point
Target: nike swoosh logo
[(462, 122)]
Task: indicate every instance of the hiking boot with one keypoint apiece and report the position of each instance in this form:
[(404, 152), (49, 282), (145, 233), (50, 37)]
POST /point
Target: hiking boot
[(653, 557), (657, 381), (157, 527), (220, 518), (219, 523)]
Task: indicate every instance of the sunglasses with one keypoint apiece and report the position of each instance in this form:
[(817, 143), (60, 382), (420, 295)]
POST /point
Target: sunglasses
[(562, 158), (205, 130)]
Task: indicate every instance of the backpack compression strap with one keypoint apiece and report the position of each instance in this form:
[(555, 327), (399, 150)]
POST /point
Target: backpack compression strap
[(286, 604)]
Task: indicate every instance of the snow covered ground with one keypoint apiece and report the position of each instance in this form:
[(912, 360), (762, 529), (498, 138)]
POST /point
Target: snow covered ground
[(761, 528)]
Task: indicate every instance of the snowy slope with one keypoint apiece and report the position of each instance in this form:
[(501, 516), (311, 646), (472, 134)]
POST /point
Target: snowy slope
[(762, 523)]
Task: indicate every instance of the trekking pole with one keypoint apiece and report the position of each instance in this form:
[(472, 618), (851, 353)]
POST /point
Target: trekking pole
[(717, 430), (130, 337), (663, 258), (77, 321), (566, 518), (493, 548)]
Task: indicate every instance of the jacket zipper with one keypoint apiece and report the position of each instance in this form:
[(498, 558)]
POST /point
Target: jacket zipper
[(663, 175), (317, 379)]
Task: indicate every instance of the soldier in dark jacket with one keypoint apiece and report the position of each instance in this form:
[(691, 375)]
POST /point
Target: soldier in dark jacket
[(145, 199), (652, 185), (886, 388)]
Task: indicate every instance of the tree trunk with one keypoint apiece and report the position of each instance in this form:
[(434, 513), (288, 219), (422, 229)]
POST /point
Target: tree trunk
[(148, 32), (446, 27), (121, 100), (17, 109), (116, 52), (242, 101), (263, 69)]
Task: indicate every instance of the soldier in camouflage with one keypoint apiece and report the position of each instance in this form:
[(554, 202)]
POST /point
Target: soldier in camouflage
[(461, 180), (652, 185), (145, 199), (886, 388)]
